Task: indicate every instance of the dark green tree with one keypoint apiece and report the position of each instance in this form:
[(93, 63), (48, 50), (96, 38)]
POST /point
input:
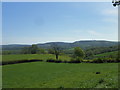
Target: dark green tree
[(50, 51), (41, 51), (89, 53), (30, 50), (7, 52), (56, 49), (78, 52), (26, 50), (34, 49)]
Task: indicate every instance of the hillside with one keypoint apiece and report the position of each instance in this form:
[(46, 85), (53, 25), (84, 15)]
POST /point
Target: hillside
[(113, 54), (13, 46), (83, 44)]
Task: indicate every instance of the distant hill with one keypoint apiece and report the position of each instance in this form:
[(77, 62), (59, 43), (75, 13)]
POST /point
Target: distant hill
[(83, 44), (13, 46)]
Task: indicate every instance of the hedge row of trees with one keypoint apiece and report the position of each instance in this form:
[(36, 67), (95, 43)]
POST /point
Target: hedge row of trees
[(33, 50), (105, 60), (55, 49), (79, 60), (78, 54), (99, 50)]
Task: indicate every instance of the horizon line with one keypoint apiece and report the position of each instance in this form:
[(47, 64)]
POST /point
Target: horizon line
[(59, 41)]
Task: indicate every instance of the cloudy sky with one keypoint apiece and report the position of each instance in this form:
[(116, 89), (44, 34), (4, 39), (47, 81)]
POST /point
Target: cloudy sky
[(40, 22)]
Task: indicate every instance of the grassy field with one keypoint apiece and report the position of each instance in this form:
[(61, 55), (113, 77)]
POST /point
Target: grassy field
[(114, 53), (6, 58), (60, 75)]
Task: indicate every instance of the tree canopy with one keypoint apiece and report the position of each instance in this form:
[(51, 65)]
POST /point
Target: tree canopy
[(56, 50), (78, 52)]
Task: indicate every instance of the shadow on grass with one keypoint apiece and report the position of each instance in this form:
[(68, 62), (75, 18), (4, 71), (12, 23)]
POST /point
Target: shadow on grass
[(22, 61)]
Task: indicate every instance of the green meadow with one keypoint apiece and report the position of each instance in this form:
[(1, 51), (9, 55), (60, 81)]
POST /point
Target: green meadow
[(59, 45), (19, 57), (114, 53), (60, 75)]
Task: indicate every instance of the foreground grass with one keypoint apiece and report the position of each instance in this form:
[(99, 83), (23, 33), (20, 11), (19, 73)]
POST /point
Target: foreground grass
[(6, 58), (60, 75)]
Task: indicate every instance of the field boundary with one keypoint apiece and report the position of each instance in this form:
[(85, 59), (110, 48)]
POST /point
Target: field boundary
[(22, 61), (51, 61)]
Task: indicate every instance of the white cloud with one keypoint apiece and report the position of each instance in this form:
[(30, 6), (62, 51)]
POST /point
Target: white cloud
[(110, 15), (110, 12)]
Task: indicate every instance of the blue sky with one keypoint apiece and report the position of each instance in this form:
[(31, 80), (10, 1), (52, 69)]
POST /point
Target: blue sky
[(40, 22)]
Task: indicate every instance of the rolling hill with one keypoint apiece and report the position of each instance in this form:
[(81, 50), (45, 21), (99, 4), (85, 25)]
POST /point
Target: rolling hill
[(83, 44)]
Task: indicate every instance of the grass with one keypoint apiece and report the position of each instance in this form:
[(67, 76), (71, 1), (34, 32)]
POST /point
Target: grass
[(114, 53), (54, 75), (6, 58)]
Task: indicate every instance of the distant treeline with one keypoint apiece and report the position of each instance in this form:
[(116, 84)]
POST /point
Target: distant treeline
[(100, 50), (89, 53)]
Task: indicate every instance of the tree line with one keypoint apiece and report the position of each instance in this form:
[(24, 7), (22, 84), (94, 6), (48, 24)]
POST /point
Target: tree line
[(99, 50), (78, 55), (56, 50)]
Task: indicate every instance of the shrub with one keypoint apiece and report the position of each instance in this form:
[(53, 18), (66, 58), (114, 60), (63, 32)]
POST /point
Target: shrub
[(76, 60), (87, 61), (50, 60), (110, 60), (104, 60), (117, 60), (58, 61), (65, 61), (98, 60)]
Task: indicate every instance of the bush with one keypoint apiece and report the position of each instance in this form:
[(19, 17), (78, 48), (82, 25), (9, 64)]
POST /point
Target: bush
[(87, 61), (110, 60), (53, 60), (76, 60), (105, 60), (65, 61), (50, 60), (98, 60), (117, 60), (58, 61)]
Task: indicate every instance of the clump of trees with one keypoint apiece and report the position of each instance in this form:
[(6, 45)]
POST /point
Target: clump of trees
[(105, 60), (41, 51), (55, 49), (78, 52), (99, 50), (5, 52), (33, 50), (30, 50), (50, 51), (78, 55)]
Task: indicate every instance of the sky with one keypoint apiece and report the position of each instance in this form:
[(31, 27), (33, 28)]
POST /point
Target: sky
[(41, 22)]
